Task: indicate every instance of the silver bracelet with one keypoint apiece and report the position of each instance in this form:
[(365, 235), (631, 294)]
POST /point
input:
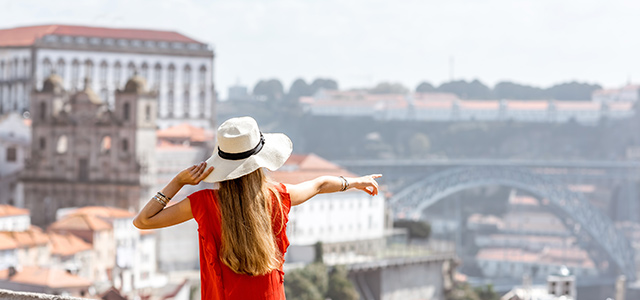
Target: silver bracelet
[(155, 197), (345, 184)]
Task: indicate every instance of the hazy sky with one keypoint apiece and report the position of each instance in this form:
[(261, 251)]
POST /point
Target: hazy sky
[(362, 42)]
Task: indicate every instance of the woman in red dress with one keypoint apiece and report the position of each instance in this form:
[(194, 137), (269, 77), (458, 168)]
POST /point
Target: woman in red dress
[(242, 224)]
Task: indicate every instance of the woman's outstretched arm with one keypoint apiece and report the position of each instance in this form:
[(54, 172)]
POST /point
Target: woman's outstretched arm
[(155, 215), (330, 184)]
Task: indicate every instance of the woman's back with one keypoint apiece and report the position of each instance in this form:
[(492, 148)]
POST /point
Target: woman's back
[(218, 281)]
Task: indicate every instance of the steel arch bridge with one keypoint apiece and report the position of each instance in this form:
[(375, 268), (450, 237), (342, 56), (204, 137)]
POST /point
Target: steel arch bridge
[(592, 228)]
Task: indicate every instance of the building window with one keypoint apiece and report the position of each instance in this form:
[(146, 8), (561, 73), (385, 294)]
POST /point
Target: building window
[(12, 154), (170, 103), (104, 94), (186, 102), (171, 73), (43, 111), (131, 69), (88, 69), (202, 77), (201, 104), (125, 145), (60, 68), (157, 76), (46, 68), (186, 76), (104, 67), (117, 73), (147, 113), (144, 71), (126, 111), (2, 70), (83, 169), (43, 143), (75, 73)]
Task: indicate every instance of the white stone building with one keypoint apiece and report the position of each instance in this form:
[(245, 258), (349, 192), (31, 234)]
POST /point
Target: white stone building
[(179, 68), (350, 222), (15, 138)]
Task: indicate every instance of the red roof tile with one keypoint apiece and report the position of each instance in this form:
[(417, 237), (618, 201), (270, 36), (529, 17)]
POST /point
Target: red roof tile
[(186, 131), (34, 236), (67, 244), (80, 222), (7, 241), (51, 278), (26, 36), (8, 210)]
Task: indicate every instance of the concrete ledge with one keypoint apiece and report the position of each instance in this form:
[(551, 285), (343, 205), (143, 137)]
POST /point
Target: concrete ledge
[(13, 295)]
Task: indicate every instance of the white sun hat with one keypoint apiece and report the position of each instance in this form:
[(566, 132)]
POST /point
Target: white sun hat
[(242, 149)]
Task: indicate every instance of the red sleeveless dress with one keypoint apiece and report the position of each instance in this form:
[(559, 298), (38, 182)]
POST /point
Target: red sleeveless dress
[(217, 280)]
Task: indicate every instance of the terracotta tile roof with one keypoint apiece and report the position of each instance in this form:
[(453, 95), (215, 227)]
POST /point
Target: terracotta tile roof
[(67, 244), (51, 278), (186, 131), (8, 210), (7, 241), (34, 236), (299, 168), (168, 146), (103, 212), (27, 36), (80, 222)]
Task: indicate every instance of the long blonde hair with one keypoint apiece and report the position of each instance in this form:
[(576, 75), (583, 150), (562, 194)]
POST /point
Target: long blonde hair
[(248, 240)]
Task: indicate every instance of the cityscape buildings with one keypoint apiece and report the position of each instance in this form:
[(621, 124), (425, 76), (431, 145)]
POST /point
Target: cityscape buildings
[(178, 68)]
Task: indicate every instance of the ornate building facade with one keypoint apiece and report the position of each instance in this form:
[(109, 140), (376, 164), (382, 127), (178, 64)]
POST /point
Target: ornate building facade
[(178, 68), (84, 153)]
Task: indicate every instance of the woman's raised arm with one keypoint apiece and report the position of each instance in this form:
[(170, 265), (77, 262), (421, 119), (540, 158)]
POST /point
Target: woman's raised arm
[(304, 191), (154, 215)]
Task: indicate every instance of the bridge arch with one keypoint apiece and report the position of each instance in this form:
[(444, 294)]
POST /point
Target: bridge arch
[(591, 227)]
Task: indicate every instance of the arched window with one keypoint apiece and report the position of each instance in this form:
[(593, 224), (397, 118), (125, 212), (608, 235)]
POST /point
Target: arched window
[(104, 69), (9, 69), (117, 74), (131, 69), (171, 73), (126, 111), (105, 145), (202, 77), (75, 73), (25, 67), (46, 68), (170, 103), (201, 104), (186, 76), (43, 111), (157, 76), (88, 69), (2, 70), (60, 67), (16, 64), (144, 70), (186, 102), (61, 146), (125, 145)]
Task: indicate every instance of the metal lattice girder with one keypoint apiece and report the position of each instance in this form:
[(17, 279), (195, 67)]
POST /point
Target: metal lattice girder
[(589, 225)]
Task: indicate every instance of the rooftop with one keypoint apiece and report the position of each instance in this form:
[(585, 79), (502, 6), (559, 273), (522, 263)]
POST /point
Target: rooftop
[(8, 210), (67, 244), (51, 278), (27, 36)]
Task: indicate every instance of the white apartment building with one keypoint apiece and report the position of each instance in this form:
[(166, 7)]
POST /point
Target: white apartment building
[(179, 68), (346, 222), (444, 107)]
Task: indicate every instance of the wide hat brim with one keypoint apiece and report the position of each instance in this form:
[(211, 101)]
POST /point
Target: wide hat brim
[(275, 152)]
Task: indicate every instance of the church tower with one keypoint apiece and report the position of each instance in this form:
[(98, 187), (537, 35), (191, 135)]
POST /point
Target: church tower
[(85, 153)]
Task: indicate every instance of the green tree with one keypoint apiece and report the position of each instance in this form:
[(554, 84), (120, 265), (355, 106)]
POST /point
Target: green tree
[(572, 91), (298, 287), (299, 88), (340, 288), (425, 87), (510, 90), (321, 83), (318, 256), (318, 275), (417, 229), (467, 90), (271, 89), (389, 88)]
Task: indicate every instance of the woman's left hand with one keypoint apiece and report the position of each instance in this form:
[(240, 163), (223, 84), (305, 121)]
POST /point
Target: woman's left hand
[(194, 174)]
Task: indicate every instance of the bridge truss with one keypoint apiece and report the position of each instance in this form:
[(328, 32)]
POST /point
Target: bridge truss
[(594, 231)]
